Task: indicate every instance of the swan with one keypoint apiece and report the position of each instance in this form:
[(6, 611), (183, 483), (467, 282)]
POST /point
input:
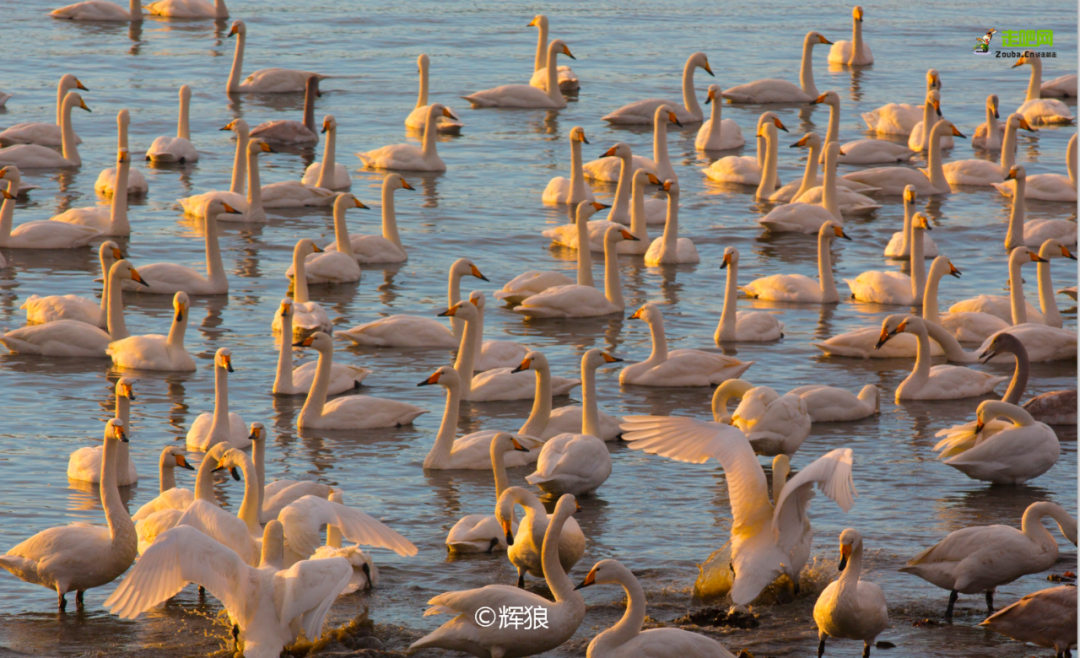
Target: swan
[(669, 248), (385, 248), (981, 558), (492, 354), (526, 543), (79, 556), (774, 424), (524, 96), (745, 169), (195, 205), (899, 246), (417, 331), (1046, 618), (269, 605), (1043, 343), (106, 180), (1000, 306), (339, 265), (677, 368), (533, 282), (845, 200), (897, 288), (308, 316), (571, 190), (71, 338), (417, 119), (742, 326), (40, 310), (221, 426), (563, 615), (771, 90), (1052, 408), (942, 382), (862, 151), (900, 118), (643, 112), (810, 211), (36, 156), (626, 639), (795, 188), (113, 221), (544, 423), (798, 287), (985, 173), (625, 204), (288, 131), (156, 352), (171, 278), (849, 607), (1048, 187), (828, 404), (768, 539), (584, 301), (854, 52), (1060, 87), (568, 81), (919, 140), (726, 135), (352, 412), (894, 180), (481, 533), (189, 9), (407, 157), (252, 209), (1049, 250), (37, 234), (84, 464), (1033, 234), (263, 81), (169, 496), (328, 174), (303, 518), (1035, 108), (609, 168), (177, 149), (297, 381), (1014, 451), (41, 133), (988, 136)]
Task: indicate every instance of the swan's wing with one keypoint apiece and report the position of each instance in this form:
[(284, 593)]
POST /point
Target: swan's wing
[(832, 474), (491, 596), (307, 589), (303, 519), (180, 556), (695, 441)]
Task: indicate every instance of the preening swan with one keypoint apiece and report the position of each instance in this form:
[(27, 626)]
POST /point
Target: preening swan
[(669, 248), (862, 151), (567, 80), (900, 118), (1047, 187), (1037, 109), (156, 352), (525, 96), (781, 91), (288, 131), (571, 190), (171, 278), (888, 287), (564, 615), (894, 180), (481, 533), (41, 133), (37, 234), (169, 496), (980, 558), (79, 556), (297, 381), (768, 539), (742, 326), (609, 168), (36, 156), (308, 316), (626, 639), (718, 134), (112, 221), (678, 368), (919, 140), (854, 52), (900, 243), (106, 180), (407, 157), (988, 136), (176, 149), (849, 607), (1012, 451), (221, 426), (263, 81), (328, 174), (351, 412), (798, 287), (745, 169), (40, 310), (773, 424), (338, 265), (385, 248), (1046, 618), (84, 464), (688, 112), (417, 119), (195, 205), (828, 404)]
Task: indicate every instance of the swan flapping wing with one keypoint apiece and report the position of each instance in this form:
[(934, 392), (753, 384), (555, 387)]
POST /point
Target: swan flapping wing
[(307, 589), (180, 556), (832, 474), (303, 519)]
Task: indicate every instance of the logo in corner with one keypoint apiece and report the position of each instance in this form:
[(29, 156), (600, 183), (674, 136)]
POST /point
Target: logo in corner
[(982, 45)]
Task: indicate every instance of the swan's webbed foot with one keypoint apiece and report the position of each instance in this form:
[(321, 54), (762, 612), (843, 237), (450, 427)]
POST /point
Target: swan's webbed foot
[(79, 598), (989, 602), (492, 545), (821, 647), (953, 595)]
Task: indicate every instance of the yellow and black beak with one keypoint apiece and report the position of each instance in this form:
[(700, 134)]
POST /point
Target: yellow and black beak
[(708, 69), (181, 461), (979, 426), (266, 148), (79, 85), (711, 97), (816, 101), (7, 195), (610, 153), (229, 209), (82, 104), (589, 580), (405, 185), (360, 204), (316, 249), (845, 553), (305, 343), (448, 114), (654, 180), (325, 126), (235, 30), (727, 261), (780, 125), (598, 206), (1036, 258), (524, 365), (801, 142), (431, 381), (128, 391), (180, 310), (117, 254), (638, 313), (450, 312), (121, 434), (285, 308), (518, 446), (627, 235), (508, 531), (475, 271), (1023, 123), (228, 363), (137, 278), (584, 139), (674, 119), (610, 359), (1012, 174), (1066, 253), (839, 231), (953, 271), (957, 133), (883, 338), (228, 126), (122, 156), (566, 51), (1019, 62), (823, 40), (256, 434)]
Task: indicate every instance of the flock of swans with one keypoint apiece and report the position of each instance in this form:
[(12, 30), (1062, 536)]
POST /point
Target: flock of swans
[(269, 563)]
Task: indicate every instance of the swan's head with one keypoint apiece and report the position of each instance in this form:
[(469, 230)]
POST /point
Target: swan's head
[(671, 186), (731, 257), (992, 105), (123, 118), (122, 156), (11, 173), (715, 94), (504, 509), (642, 177), (238, 27), (124, 270), (587, 209), (69, 82), (238, 126), (1017, 121), (857, 13), (952, 268), (1003, 342), (896, 324), (223, 359), (173, 457), (108, 251), (258, 432), (701, 61), (185, 93), (1021, 255), (850, 541), (606, 572), (312, 86), (347, 200), (503, 443), (438, 109), (933, 79), (533, 361), (828, 98), (809, 140), (115, 430), (329, 123), (444, 376), (479, 299), (465, 267), (649, 313), (620, 150), (1016, 172), (305, 247), (664, 113), (909, 194), (781, 469), (832, 152), (770, 117), (320, 341), (946, 127), (1054, 249), (872, 392), (463, 310), (615, 234), (566, 506), (218, 207), (422, 62), (396, 182), (815, 38), (539, 20), (920, 221), (257, 146), (832, 230), (593, 359), (577, 134), (215, 454), (990, 410), (1026, 58), (125, 388), (180, 304), (75, 100), (559, 46), (286, 308)]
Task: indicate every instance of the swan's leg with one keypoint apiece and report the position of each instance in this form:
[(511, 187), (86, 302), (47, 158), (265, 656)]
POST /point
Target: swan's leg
[(60, 600), (492, 545), (521, 577), (821, 644), (866, 650), (202, 592), (79, 598), (236, 637), (953, 595), (989, 602)]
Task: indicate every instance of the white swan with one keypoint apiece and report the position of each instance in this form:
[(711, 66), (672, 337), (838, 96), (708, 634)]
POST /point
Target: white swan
[(986, 173), (84, 464), (563, 615), (989, 135), (855, 52), (1033, 234), (742, 326), (771, 90), (36, 156), (492, 354), (893, 180), (849, 607), (156, 352), (846, 201), (303, 519), (625, 204), (626, 639), (1013, 451), (308, 316), (745, 169), (862, 151), (1007, 308), (289, 131), (1049, 250), (37, 234), (189, 9), (1046, 618), (169, 496), (718, 134), (328, 174), (1060, 87), (481, 533), (818, 205), (220, 426), (526, 543), (897, 288), (253, 209), (533, 282), (643, 112), (106, 180), (980, 558), (609, 168), (385, 248), (900, 118), (263, 81), (546, 423), (1037, 109), (177, 149), (669, 248), (525, 96), (112, 221), (41, 133), (919, 140), (774, 424), (684, 367), (417, 119), (338, 265), (768, 539), (799, 287), (942, 382), (809, 180), (899, 246), (195, 205), (79, 556), (407, 157), (171, 278), (1048, 187), (828, 404), (571, 190), (568, 81), (351, 412), (40, 310), (418, 331), (298, 380)]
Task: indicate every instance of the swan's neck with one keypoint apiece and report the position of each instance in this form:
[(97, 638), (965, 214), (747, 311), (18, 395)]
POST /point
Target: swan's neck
[(541, 46), (1070, 160), (389, 220), (106, 263), (221, 426), (215, 269), (929, 116), (7, 216), (768, 172), (1034, 91), (553, 91), (621, 206), (715, 117), (316, 399), (806, 71), (220, 8), (921, 374), (498, 465), (832, 133), (283, 382), (918, 266), (167, 472), (439, 455), (809, 179), (237, 72), (123, 454), (258, 455), (848, 582), (239, 172), (1015, 236), (689, 96), (430, 130), (122, 128), (254, 193), (177, 331), (612, 282), (480, 308), (948, 343), (453, 296), (825, 274), (1008, 149), (728, 317), (421, 100), (1051, 315), (760, 153), (584, 257), (341, 229), (590, 415), (930, 311), (115, 315), (61, 93), (934, 166), (638, 224), (828, 199), (67, 134), (856, 40), (329, 164), (577, 175), (1019, 382), (182, 126), (249, 507), (629, 626), (991, 125), (121, 527), (466, 357), (905, 237), (1033, 528), (541, 409), (119, 210), (300, 287), (671, 226), (660, 149), (1016, 293), (659, 342), (556, 577), (204, 480), (309, 110)]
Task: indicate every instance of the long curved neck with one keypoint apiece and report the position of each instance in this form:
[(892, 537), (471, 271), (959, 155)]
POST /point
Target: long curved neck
[(439, 455), (341, 230), (1033, 528), (621, 206), (115, 315), (612, 281), (61, 93), (577, 174), (1016, 292), (221, 425), (237, 71), (177, 331), (283, 381), (856, 40), (220, 9), (584, 257), (556, 577), (254, 193), (239, 172), (1008, 148), (215, 269), (541, 409), (119, 210), (715, 117), (905, 237), (768, 172), (1019, 382), (806, 71), (167, 472), (1034, 90), (122, 128), (7, 216), (300, 287), (553, 91), (825, 274), (929, 115), (848, 582), (590, 414), (466, 357), (453, 296), (258, 455), (660, 149), (430, 130), (67, 133), (106, 264), (944, 338), (123, 454), (421, 100), (991, 123), (671, 225), (632, 620), (832, 133), (828, 198), (498, 465), (204, 480), (249, 507), (1070, 160), (638, 224), (329, 165), (541, 47), (762, 146), (918, 266), (121, 527), (1015, 236), (921, 373), (309, 109), (689, 96), (930, 311), (934, 164), (182, 125), (659, 342), (1051, 315), (728, 317), (316, 399), (809, 178)]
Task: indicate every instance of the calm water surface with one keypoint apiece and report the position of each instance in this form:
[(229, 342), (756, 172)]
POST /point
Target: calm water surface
[(659, 517)]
